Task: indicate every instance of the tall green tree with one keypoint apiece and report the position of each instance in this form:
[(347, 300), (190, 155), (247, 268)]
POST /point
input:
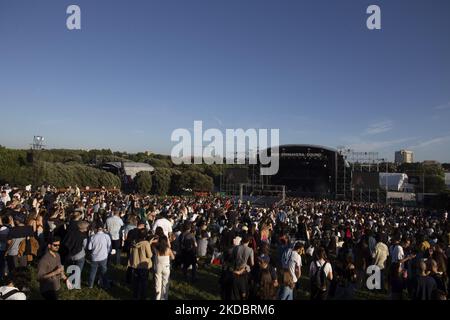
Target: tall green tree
[(143, 182)]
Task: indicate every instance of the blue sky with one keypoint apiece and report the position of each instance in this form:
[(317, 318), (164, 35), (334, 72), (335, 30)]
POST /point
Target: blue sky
[(139, 69)]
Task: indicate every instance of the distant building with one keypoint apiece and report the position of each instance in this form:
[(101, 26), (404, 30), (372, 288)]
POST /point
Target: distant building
[(404, 156), (127, 170), (430, 162), (447, 179)]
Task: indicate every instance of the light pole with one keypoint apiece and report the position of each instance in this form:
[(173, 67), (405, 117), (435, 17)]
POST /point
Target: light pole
[(423, 186), (386, 182)]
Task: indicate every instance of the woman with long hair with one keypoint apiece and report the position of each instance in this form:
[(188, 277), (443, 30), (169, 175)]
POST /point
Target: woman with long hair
[(266, 289), (320, 273), (162, 268)]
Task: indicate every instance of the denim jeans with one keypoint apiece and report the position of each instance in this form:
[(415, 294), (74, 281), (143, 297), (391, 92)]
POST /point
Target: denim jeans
[(286, 293), (79, 263), (103, 268)]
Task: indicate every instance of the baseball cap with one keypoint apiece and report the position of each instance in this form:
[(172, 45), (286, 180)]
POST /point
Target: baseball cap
[(264, 258)]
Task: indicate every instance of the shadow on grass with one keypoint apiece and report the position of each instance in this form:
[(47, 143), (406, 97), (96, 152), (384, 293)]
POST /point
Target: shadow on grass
[(205, 288)]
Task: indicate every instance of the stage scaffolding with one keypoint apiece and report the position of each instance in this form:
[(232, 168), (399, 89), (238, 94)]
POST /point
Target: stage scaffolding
[(361, 162)]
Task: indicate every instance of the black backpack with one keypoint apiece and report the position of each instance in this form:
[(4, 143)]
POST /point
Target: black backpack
[(187, 244), (319, 279)]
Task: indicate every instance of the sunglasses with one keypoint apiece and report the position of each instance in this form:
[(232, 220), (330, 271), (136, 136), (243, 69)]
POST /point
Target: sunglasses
[(55, 245)]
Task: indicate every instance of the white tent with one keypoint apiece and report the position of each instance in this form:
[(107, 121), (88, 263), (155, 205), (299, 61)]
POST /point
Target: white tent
[(129, 168), (132, 168), (393, 181)]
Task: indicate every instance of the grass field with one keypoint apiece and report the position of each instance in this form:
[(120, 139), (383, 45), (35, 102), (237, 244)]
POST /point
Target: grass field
[(205, 288)]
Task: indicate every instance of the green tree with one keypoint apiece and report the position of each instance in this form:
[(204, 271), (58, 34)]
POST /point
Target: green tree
[(143, 182), (161, 181), (193, 180), (431, 176)]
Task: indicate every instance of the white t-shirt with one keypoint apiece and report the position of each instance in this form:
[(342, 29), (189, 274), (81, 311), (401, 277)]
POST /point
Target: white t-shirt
[(5, 199), (165, 224), (317, 264), (17, 296), (397, 253), (114, 224), (295, 262)]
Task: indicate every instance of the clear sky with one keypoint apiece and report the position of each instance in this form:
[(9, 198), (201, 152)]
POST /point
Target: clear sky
[(139, 69)]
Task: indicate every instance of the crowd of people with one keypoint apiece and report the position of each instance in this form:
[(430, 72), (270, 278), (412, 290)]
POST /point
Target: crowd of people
[(321, 249)]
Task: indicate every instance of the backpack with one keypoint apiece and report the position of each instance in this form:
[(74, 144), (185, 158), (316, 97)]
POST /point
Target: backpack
[(286, 258), (187, 244), (9, 294), (319, 279)]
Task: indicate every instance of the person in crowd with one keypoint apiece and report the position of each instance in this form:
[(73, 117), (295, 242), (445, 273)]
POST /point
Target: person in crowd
[(4, 230), (425, 283), (164, 255), (287, 286), (346, 280), (16, 235), (243, 255), (188, 246), (397, 281), (50, 271), (5, 198), (100, 247), (202, 244), (240, 284), (114, 225), (140, 260), (75, 242), (320, 273), (292, 261), (14, 284), (130, 238), (265, 288), (380, 255), (263, 265), (439, 277), (240, 232), (164, 223)]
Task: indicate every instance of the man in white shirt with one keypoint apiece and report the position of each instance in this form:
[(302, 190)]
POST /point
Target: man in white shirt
[(396, 250), (292, 260), (100, 246), (5, 198), (114, 226), (165, 224), (398, 253)]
